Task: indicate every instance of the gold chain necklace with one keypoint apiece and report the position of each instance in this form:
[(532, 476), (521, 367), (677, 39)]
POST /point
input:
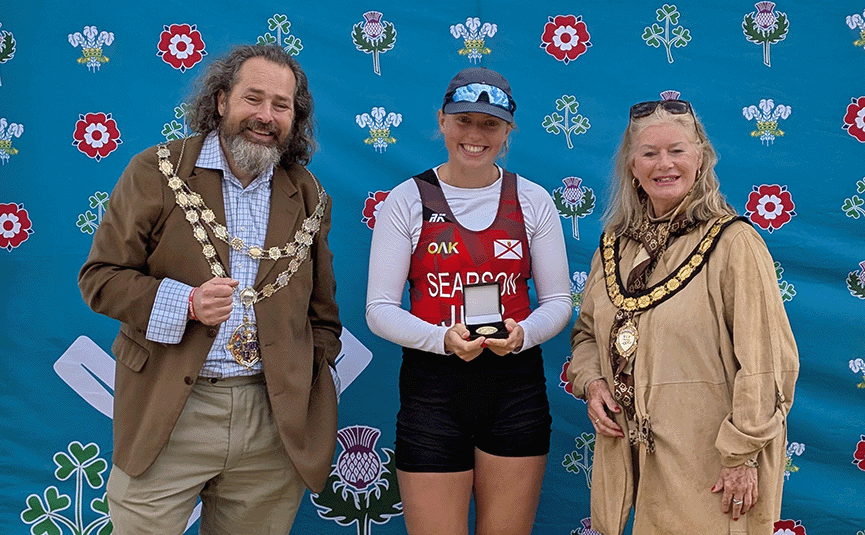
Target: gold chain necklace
[(627, 336), (243, 342)]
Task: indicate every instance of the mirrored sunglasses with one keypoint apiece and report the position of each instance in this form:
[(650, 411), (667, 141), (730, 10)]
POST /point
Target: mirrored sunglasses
[(676, 107), (495, 96)]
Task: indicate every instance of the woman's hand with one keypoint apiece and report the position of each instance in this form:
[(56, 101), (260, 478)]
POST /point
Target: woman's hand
[(739, 485), (598, 401), (514, 341), (457, 342)]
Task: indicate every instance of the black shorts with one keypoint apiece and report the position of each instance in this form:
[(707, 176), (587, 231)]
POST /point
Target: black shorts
[(449, 407)]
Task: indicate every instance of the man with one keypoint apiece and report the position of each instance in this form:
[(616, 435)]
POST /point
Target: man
[(213, 255)]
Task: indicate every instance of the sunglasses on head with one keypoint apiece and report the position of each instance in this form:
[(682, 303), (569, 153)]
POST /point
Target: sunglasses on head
[(472, 93), (676, 107)]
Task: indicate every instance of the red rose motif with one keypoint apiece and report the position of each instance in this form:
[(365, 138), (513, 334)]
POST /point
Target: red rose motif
[(371, 206), (181, 46), (563, 378), (565, 37), (15, 225), (859, 454), (96, 135), (854, 120), (789, 527), (770, 206)]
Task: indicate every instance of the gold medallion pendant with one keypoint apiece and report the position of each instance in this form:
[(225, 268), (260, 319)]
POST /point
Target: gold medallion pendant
[(627, 337), (243, 343)]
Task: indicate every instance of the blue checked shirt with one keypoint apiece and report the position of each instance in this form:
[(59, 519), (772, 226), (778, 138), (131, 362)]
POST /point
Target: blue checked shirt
[(247, 210)]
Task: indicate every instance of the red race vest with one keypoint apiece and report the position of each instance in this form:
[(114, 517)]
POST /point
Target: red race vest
[(449, 256)]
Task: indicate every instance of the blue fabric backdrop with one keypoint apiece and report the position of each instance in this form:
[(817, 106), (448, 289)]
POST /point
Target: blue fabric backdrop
[(84, 87)]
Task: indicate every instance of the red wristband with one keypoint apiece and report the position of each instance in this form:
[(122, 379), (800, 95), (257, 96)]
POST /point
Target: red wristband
[(191, 306)]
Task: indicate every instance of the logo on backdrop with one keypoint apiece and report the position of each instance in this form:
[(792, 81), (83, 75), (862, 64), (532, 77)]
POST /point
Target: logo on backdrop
[(7, 132), (379, 123), (793, 449), (91, 42), (789, 527), (670, 35), (181, 46), (859, 454), (766, 116), (854, 119), (578, 284), (15, 225), (770, 206), (79, 464), (362, 488), (857, 366), (788, 291), (7, 47), (473, 34), (573, 201), (585, 528), (856, 22), (89, 371), (280, 25), (175, 129), (374, 36), (571, 123), (765, 27), (371, 206), (89, 221), (580, 460), (856, 282), (96, 135), (565, 37)]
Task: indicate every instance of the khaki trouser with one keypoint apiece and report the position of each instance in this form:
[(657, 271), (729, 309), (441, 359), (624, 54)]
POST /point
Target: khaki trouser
[(226, 449)]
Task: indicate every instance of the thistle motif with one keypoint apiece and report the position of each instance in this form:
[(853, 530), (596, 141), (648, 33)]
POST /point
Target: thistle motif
[(858, 365), (6, 135), (91, 42), (767, 119), (360, 489), (7, 48), (765, 27), (374, 36), (358, 464), (379, 125), (574, 201), (793, 448), (472, 34), (855, 22)]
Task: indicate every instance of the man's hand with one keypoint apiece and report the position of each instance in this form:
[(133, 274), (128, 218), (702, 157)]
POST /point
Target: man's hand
[(212, 301)]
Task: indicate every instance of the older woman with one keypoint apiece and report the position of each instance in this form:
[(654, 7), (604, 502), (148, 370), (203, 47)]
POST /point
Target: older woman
[(474, 417), (682, 348)]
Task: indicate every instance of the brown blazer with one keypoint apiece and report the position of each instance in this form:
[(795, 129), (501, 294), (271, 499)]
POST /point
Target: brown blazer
[(143, 238)]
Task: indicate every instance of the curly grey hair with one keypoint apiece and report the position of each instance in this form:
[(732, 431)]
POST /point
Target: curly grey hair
[(221, 75)]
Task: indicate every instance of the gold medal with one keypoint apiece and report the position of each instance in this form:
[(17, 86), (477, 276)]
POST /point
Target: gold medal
[(486, 330), (627, 337)]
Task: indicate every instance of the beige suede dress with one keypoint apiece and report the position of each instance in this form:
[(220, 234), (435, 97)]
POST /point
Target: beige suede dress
[(714, 373)]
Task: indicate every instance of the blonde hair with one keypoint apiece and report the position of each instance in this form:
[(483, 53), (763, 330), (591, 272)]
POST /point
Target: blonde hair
[(625, 208)]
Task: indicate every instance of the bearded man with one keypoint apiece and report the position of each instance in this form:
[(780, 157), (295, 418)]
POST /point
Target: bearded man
[(213, 256)]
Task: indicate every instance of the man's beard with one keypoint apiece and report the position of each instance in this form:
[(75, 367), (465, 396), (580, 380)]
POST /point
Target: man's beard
[(252, 158)]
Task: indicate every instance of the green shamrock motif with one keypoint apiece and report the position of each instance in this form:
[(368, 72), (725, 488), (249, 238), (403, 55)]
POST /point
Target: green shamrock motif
[(79, 463), (282, 26), (571, 123), (580, 460), (655, 35), (88, 222)]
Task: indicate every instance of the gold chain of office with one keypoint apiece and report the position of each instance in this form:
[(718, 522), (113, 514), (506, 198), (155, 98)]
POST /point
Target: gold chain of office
[(196, 212), (649, 297)]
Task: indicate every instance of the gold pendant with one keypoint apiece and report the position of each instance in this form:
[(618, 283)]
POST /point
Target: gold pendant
[(243, 344), (626, 338)]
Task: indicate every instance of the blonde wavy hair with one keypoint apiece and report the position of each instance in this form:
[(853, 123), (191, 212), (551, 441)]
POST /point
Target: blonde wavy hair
[(625, 208)]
